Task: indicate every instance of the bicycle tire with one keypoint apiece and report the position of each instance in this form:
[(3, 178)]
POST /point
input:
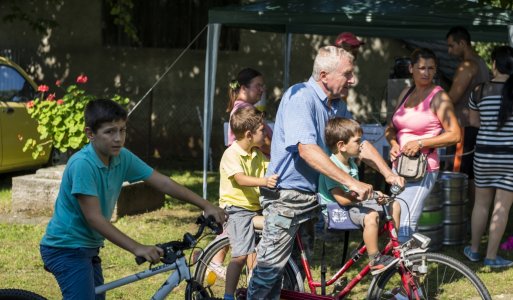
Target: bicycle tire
[(446, 278), (200, 288), (17, 294)]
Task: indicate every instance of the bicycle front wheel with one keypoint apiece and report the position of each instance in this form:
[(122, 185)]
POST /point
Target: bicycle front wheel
[(17, 294), (209, 276), (437, 276)]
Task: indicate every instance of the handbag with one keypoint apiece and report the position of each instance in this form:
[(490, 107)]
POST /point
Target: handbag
[(338, 217), (412, 168)]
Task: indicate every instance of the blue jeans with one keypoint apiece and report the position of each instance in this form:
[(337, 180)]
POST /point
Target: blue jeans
[(77, 271), (415, 193)]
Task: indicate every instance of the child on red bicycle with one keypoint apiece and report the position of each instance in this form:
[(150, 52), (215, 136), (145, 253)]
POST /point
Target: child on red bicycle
[(242, 171), (343, 137)]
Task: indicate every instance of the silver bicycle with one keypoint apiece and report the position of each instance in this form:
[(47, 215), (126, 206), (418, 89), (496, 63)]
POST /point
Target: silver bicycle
[(173, 261)]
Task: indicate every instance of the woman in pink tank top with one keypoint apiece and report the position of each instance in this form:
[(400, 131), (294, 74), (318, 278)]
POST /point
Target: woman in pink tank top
[(423, 122)]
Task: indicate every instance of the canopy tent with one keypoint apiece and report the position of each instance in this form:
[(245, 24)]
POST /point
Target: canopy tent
[(401, 19)]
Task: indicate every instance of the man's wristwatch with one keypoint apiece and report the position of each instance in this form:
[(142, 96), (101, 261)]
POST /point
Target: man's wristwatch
[(420, 144)]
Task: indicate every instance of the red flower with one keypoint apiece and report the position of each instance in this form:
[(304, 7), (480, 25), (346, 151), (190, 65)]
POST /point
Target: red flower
[(30, 104), (50, 97), (82, 79), (58, 83), (60, 101), (43, 88)]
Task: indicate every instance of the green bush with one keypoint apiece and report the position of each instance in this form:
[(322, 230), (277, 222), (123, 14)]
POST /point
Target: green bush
[(61, 122)]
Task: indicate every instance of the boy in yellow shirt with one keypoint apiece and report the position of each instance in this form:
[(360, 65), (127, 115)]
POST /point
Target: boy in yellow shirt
[(242, 171)]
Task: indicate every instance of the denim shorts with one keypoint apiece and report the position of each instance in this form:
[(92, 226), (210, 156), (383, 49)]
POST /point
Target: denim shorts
[(240, 230), (77, 270)]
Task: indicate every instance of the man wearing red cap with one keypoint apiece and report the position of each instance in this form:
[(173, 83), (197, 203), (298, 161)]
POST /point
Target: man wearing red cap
[(349, 42)]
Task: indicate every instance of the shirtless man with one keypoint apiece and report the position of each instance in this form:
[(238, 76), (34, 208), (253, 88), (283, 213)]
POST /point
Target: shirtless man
[(471, 72)]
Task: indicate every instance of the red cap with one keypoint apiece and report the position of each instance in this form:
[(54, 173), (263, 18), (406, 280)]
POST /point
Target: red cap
[(348, 38)]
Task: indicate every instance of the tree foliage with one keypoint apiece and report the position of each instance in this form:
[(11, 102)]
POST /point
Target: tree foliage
[(484, 49), (30, 12)]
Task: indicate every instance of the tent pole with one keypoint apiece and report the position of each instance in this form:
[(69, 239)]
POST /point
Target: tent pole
[(214, 31), (510, 35), (286, 59)]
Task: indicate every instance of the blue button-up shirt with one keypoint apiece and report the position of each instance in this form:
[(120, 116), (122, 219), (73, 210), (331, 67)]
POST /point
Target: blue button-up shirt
[(301, 118)]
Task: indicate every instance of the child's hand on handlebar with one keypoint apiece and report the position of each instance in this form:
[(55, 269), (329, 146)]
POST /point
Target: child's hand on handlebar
[(380, 197), (149, 253)]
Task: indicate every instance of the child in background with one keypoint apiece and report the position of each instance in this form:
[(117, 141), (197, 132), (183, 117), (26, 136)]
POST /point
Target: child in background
[(89, 190), (343, 137), (241, 170), (245, 91)]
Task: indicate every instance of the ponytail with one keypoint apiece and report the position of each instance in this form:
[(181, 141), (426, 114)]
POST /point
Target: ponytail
[(506, 109), (233, 92)]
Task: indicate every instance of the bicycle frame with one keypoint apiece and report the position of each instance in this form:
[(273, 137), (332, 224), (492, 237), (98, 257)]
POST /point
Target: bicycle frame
[(181, 273), (392, 246)]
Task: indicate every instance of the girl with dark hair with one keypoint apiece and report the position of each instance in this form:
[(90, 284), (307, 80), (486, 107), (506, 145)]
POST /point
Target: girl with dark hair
[(245, 91), (423, 121), (491, 109)]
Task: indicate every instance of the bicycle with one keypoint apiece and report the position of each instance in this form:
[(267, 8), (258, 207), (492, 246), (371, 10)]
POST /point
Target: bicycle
[(206, 275), (417, 274), (173, 260)]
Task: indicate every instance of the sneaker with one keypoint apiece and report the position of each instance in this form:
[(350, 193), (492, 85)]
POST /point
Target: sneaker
[(472, 256), (382, 263), (218, 269), (498, 262)]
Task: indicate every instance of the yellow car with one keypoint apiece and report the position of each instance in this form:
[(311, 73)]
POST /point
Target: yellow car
[(16, 126)]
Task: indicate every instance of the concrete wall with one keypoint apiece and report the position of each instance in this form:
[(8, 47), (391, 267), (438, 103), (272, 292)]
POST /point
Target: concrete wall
[(166, 126)]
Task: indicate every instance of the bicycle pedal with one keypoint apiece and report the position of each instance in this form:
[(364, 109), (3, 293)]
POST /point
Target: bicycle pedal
[(339, 285)]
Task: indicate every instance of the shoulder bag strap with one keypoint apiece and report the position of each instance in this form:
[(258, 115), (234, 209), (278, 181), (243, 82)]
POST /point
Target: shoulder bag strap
[(402, 101)]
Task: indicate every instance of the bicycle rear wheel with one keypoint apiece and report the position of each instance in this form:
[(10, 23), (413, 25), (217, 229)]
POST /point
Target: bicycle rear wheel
[(209, 280), (17, 294), (437, 276)]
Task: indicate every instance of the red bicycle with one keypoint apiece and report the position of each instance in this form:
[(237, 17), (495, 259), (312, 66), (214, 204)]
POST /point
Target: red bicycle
[(418, 274)]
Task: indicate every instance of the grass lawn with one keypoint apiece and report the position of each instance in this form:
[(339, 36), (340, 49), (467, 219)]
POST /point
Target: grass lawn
[(21, 266)]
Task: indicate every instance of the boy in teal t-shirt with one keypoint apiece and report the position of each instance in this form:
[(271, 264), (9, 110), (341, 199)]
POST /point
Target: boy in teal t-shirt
[(89, 191), (343, 137)]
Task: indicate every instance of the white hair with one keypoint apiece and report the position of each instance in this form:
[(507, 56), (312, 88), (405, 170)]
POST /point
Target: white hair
[(328, 60)]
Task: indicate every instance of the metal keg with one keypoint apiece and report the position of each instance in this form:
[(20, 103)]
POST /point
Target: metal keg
[(454, 188), (431, 220)]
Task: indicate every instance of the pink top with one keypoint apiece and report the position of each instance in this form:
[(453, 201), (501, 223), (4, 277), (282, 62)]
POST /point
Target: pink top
[(419, 122), (241, 104)]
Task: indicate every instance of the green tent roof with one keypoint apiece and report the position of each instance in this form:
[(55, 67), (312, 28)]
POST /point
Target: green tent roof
[(414, 19)]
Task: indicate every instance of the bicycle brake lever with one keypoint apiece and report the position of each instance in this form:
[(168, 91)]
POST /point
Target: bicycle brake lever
[(140, 260)]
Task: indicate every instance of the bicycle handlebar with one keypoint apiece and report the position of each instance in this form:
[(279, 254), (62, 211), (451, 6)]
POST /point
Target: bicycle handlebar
[(394, 191), (171, 248)]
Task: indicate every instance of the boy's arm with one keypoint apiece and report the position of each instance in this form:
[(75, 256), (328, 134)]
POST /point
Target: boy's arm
[(250, 181), (372, 158), (175, 190), (342, 197), (90, 206)]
